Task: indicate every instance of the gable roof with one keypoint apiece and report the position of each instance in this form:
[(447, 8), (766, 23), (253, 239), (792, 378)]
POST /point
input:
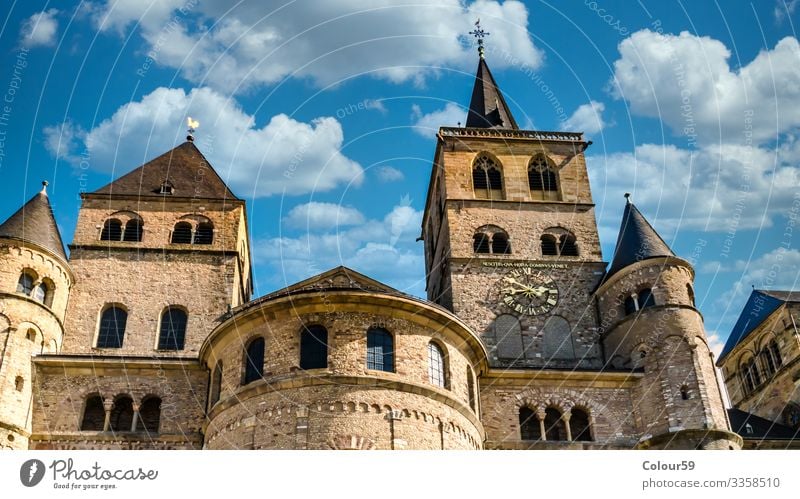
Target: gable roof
[(637, 241), (752, 427), (35, 223), (759, 306), (487, 108), (339, 277), (184, 167)]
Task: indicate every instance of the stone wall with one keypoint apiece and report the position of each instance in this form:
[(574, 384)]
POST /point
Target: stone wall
[(64, 383)]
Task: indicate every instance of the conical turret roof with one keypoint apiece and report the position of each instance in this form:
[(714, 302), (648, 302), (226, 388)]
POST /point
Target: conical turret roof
[(487, 108), (637, 241), (35, 223)]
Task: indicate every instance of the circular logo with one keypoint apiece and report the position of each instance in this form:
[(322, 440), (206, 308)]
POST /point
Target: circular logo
[(31, 472)]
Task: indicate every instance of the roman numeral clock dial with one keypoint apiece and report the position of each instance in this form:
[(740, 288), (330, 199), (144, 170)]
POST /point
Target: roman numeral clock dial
[(529, 292)]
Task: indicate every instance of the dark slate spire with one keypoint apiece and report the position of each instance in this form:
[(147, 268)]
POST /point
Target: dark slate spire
[(35, 223), (180, 172), (488, 108), (637, 240)]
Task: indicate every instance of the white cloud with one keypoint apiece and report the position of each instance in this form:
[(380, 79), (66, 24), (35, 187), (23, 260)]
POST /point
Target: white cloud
[(385, 249), (783, 7), (388, 173), (252, 43), (315, 215), (428, 124), (716, 188), (687, 82), (40, 29), (62, 140), (283, 155), (588, 118)]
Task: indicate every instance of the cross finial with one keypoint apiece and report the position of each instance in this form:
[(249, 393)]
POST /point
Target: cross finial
[(193, 125), (480, 34), (45, 183)]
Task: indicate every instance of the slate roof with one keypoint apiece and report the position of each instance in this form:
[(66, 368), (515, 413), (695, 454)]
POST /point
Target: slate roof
[(487, 108), (35, 223), (759, 306), (759, 428), (184, 167), (637, 241)]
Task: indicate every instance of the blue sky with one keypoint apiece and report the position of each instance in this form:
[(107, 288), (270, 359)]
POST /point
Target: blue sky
[(322, 115)]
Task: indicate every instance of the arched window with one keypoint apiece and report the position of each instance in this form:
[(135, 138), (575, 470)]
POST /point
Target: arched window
[(133, 230), (690, 292), (436, 366), (487, 180), (480, 243), (182, 233), (471, 389), (645, 298), (567, 246), (630, 305), (25, 283), (684, 392), (549, 245), (216, 384), (94, 414), (380, 350), (314, 347), (557, 339), (204, 233), (172, 334), (122, 414), (40, 292), (500, 244), (254, 361), (554, 425), (542, 178), (750, 376), (529, 428), (112, 230), (150, 414), (112, 327), (767, 363), (579, 426), (776, 353), (19, 383)]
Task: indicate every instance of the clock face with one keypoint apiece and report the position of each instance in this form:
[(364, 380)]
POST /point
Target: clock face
[(529, 292)]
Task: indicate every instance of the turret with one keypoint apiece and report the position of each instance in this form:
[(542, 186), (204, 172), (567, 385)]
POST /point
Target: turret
[(35, 280), (650, 323)]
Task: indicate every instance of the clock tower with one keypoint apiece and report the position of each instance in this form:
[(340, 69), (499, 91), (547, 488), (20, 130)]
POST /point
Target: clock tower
[(511, 243)]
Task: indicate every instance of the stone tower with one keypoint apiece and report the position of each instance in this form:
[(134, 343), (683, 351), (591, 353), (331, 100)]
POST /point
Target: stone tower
[(35, 281), (511, 243), (650, 323), (159, 256)]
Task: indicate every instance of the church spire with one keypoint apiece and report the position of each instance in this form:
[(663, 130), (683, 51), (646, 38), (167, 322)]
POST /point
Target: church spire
[(637, 240), (487, 108)]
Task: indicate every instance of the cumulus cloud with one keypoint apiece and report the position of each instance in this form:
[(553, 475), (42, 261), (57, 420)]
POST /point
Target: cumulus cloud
[(315, 215), (428, 124), (40, 29), (252, 43), (61, 141), (284, 155), (784, 8), (686, 81), (385, 249), (716, 188), (388, 173), (588, 118)]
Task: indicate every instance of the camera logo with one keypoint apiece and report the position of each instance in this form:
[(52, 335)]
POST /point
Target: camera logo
[(31, 472)]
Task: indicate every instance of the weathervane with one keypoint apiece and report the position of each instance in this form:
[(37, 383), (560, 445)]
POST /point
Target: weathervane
[(193, 125), (480, 35)]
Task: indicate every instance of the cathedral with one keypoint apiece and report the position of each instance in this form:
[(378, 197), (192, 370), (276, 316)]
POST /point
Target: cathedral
[(147, 336)]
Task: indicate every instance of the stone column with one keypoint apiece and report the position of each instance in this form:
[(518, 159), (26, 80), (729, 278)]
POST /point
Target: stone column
[(395, 417), (108, 404), (540, 416), (565, 418), (135, 416)]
